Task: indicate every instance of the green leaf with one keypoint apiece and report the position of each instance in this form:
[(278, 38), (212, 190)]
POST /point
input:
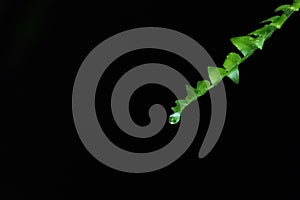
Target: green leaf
[(234, 75), (245, 44), (191, 93), (232, 60), (202, 87), (176, 109), (259, 42), (284, 8), (271, 19), (276, 21), (296, 5), (216, 74), (180, 105), (263, 32), (280, 21)]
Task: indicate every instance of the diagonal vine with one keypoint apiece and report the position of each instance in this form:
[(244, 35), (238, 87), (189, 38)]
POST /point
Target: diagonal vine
[(247, 45)]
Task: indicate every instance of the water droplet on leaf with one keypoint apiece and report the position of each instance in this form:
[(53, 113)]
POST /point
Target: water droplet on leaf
[(174, 118)]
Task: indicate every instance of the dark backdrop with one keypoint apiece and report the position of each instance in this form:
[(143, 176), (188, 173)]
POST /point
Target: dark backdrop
[(43, 44)]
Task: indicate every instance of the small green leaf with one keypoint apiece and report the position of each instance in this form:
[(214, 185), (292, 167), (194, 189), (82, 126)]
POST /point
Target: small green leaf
[(202, 87), (216, 74), (176, 109), (280, 21), (180, 105), (263, 32), (232, 60), (191, 93), (245, 44), (259, 42), (234, 75), (276, 21), (296, 5), (283, 8), (271, 19), (261, 35)]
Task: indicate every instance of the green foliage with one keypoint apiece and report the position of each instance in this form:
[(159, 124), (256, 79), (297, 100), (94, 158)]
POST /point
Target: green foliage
[(232, 61), (191, 93), (244, 44), (234, 75), (263, 32), (216, 74), (247, 45), (284, 8), (202, 87), (180, 105), (276, 21)]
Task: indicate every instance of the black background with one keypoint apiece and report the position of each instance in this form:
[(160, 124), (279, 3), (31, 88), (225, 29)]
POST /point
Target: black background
[(43, 44)]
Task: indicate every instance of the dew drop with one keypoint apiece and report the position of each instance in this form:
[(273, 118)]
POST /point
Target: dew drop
[(174, 118)]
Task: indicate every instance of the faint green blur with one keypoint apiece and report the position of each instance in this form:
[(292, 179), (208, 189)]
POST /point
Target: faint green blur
[(23, 25)]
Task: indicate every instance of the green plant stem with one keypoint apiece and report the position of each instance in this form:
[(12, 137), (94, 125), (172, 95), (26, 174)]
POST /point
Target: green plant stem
[(247, 46)]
